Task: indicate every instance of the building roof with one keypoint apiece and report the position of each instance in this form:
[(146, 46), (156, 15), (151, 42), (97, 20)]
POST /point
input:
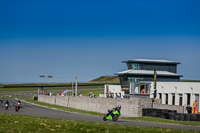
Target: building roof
[(147, 72), (151, 61)]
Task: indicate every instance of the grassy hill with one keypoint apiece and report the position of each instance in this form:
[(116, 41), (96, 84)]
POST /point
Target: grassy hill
[(187, 80), (106, 79)]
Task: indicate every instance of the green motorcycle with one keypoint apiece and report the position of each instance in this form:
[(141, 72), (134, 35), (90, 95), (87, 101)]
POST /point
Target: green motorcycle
[(112, 115)]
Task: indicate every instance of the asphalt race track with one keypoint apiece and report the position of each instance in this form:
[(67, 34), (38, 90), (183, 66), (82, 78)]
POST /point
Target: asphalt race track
[(34, 110)]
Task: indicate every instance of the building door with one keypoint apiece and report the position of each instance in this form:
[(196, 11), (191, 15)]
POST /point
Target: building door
[(197, 98), (166, 98), (188, 98), (160, 95), (173, 99), (180, 99)]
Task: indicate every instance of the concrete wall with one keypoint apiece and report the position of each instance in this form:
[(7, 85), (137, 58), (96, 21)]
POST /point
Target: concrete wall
[(179, 109), (130, 107)]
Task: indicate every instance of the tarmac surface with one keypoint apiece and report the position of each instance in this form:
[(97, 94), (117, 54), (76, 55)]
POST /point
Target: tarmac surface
[(35, 110)]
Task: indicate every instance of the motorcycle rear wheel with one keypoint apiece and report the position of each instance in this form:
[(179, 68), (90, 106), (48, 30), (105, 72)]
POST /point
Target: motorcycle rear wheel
[(115, 118)]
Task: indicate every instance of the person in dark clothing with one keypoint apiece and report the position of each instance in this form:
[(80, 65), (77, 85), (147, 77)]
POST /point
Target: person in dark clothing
[(19, 103), (1, 100), (7, 102), (118, 108), (189, 109)]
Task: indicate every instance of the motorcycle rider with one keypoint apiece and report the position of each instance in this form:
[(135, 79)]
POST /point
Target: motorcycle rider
[(1, 100), (118, 108), (7, 103), (18, 103)]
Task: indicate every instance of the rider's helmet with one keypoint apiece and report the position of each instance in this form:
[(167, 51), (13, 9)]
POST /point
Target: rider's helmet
[(119, 106)]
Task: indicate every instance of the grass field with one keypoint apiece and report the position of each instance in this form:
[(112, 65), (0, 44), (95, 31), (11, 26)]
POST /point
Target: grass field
[(23, 89), (148, 119), (160, 120), (106, 79), (30, 124)]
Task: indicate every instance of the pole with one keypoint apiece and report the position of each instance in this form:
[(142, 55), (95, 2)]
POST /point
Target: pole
[(76, 78), (155, 80), (72, 89)]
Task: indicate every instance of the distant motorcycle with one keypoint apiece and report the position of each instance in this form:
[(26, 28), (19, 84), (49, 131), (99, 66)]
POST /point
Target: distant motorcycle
[(6, 105), (1, 100), (112, 114), (17, 107)]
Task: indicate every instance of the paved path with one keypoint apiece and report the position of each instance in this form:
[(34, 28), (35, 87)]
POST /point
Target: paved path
[(34, 110)]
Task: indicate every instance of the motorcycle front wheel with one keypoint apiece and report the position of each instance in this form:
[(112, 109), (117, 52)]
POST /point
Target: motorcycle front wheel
[(104, 118), (16, 109)]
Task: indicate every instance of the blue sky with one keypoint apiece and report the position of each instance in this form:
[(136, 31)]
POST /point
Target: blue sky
[(93, 37)]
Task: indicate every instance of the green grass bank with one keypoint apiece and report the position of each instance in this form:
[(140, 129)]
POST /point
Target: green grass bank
[(30, 124)]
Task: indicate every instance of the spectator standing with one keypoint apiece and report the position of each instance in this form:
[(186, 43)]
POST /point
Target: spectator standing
[(142, 91), (194, 107)]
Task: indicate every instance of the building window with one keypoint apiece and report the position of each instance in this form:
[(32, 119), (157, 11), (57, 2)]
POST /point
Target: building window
[(137, 88), (197, 98), (166, 98), (129, 66), (141, 88), (173, 99), (136, 66), (180, 99), (124, 81), (147, 88)]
